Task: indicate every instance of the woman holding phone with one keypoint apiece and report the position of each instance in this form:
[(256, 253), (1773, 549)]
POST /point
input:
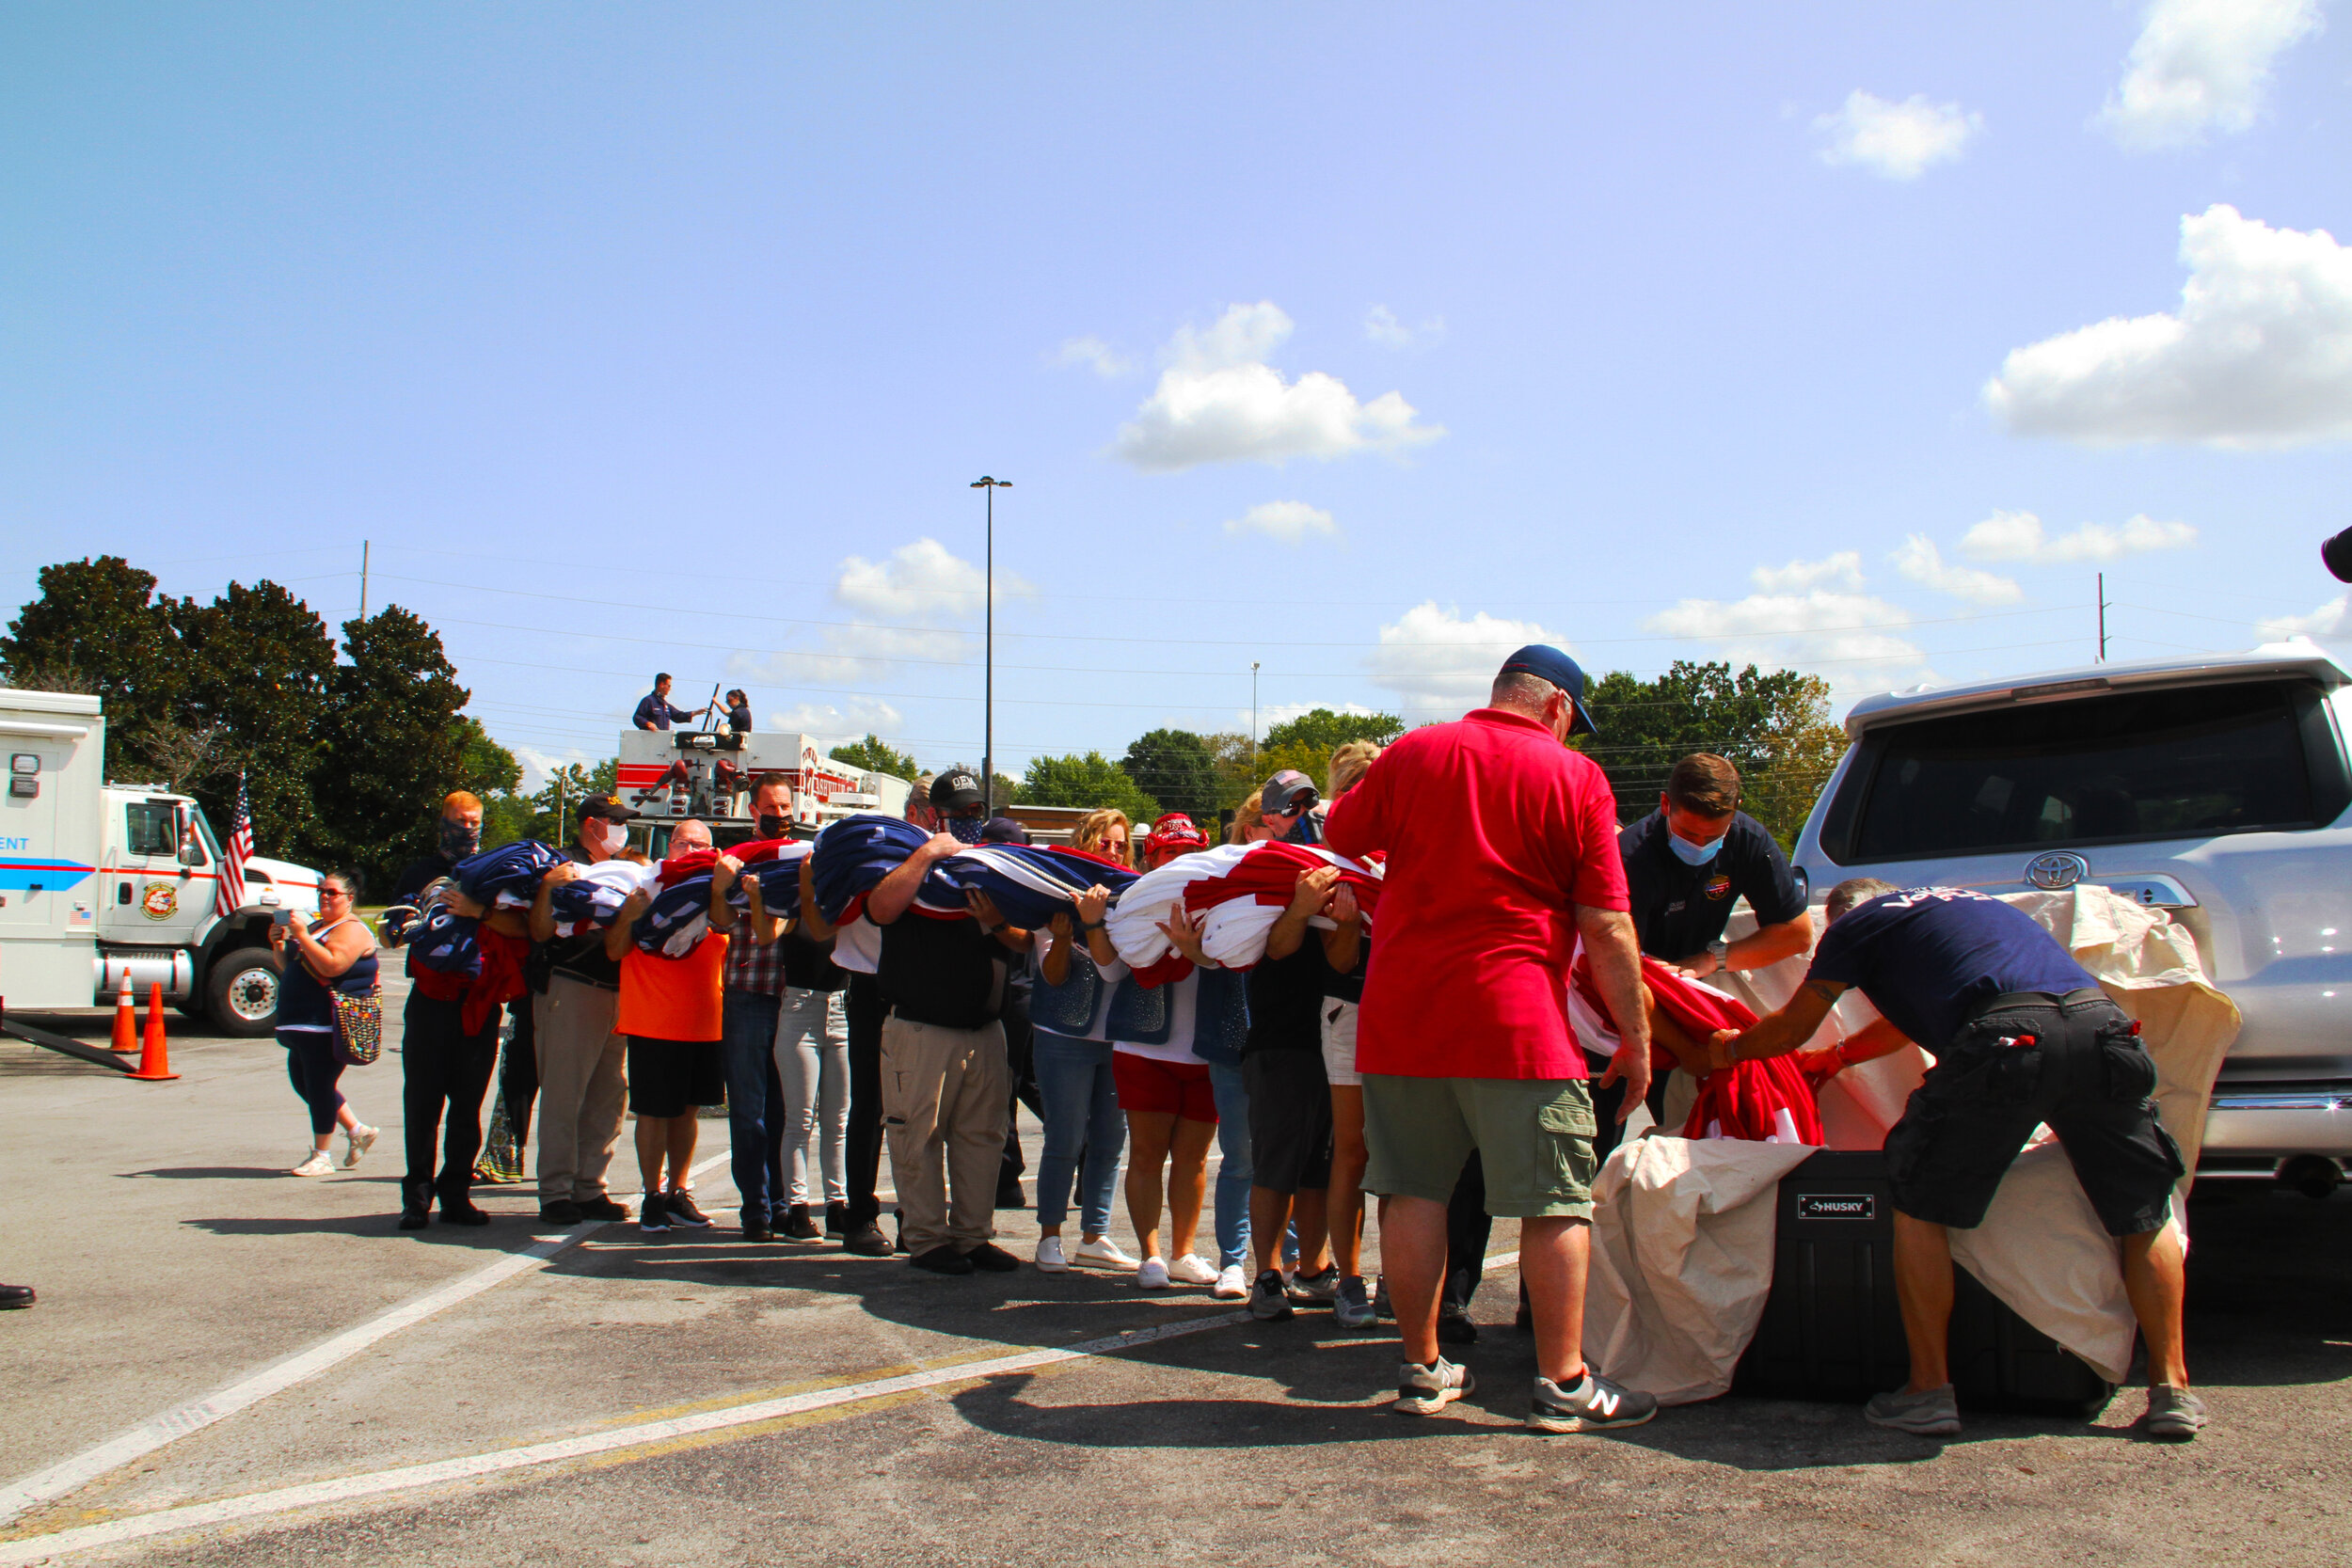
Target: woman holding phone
[(333, 953)]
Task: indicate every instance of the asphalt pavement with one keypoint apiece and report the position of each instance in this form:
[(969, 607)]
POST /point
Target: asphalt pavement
[(284, 1378)]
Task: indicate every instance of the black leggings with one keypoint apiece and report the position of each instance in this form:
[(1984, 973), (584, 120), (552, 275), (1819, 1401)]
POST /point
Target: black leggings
[(314, 1067)]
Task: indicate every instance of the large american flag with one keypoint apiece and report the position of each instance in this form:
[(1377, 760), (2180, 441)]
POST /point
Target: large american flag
[(228, 892)]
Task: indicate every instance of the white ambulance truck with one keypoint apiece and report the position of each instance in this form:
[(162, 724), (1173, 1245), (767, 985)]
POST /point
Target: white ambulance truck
[(666, 775), (100, 880)]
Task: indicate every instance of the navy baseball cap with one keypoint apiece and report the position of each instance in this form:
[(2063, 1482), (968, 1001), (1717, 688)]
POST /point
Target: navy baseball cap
[(1546, 662), (1003, 829)]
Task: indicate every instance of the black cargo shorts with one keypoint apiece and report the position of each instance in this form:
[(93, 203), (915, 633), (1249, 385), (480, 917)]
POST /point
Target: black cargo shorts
[(2074, 1062)]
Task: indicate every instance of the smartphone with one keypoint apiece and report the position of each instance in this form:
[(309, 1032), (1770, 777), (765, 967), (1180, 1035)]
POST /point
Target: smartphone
[(281, 917)]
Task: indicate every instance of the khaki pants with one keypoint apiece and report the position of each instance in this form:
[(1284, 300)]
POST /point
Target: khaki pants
[(584, 1086), (944, 1096)]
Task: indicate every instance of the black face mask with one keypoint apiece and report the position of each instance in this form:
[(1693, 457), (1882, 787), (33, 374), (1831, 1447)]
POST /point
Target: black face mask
[(771, 826)]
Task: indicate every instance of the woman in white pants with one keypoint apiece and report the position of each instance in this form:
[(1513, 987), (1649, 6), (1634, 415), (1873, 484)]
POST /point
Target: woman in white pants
[(813, 1063)]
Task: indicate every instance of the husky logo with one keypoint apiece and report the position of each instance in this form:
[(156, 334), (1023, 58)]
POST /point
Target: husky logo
[(1836, 1205)]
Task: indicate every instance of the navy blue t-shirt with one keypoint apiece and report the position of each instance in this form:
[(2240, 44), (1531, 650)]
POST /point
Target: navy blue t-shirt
[(655, 711), (1678, 909), (1931, 958)]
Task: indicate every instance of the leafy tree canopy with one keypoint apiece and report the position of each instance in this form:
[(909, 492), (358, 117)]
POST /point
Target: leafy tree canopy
[(1091, 779), (1773, 727), (1178, 768), (874, 754), (1321, 729)]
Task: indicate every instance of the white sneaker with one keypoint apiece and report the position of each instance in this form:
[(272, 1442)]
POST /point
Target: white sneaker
[(356, 1143), (1049, 1258), (317, 1165), (1152, 1275), (1233, 1283), (1189, 1270), (1103, 1254)]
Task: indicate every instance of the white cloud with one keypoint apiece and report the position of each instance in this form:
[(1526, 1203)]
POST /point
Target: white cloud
[(834, 726), (2018, 536), (1922, 562), (1442, 664), (1898, 141), (1857, 637), (1382, 327), (2260, 354), (2200, 65), (2327, 620), (1093, 352), (1843, 570), (1218, 402), (1291, 522), (917, 605), (539, 767)]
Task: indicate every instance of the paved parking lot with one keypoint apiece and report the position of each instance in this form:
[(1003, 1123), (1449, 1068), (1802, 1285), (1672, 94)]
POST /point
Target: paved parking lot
[(510, 1396)]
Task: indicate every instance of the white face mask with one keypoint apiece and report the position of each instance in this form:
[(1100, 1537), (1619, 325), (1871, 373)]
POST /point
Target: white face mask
[(607, 836)]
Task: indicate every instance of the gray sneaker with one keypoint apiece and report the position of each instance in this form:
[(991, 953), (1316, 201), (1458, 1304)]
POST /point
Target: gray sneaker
[(1308, 1287), (1595, 1405), (1426, 1390), (1269, 1303), (1930, 1413), (2174, 1414), (1352, 1307)]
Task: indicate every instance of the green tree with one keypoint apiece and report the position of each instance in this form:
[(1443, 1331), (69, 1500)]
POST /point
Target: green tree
[(254, 666), (1178, 768), (491, 771), (1091, 779), (874, 754), (1321, 729), (1773, 727), (392, 743), (98, 627), (570, 784)]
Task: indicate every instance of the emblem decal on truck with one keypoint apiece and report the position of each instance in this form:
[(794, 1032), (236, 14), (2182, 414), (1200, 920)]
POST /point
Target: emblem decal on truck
[(1837, 1206), (2057, 869), (161, 901)]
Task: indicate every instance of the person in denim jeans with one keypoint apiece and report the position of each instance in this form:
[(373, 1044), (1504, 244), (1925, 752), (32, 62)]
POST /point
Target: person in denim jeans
[(1070, 1004), (752, 1003)]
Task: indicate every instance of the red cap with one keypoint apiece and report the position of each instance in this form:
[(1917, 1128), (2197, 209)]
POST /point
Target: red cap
[(1174, 830)]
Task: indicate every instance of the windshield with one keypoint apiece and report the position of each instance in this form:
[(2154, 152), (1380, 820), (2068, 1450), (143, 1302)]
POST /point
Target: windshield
[(205, 833), (2190, 763)]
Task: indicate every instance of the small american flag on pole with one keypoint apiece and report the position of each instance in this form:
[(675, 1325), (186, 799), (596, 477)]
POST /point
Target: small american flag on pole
[(228, 893)]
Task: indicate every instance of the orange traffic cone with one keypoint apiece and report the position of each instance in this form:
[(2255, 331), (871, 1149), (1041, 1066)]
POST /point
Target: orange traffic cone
[(154, 1059), (126, 1023)]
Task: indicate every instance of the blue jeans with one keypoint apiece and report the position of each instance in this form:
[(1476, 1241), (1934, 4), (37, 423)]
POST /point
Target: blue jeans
[(747, 1040), (1074, 1078), (1233, 1169)]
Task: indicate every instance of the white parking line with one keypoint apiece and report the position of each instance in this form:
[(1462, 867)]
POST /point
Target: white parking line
[(410, 1478), (178, 1422)]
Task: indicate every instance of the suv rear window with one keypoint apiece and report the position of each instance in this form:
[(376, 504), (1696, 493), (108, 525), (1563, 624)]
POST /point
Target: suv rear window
[(2182, 763)]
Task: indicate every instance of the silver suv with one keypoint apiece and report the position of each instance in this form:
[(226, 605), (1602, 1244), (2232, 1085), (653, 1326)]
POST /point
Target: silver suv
[(2217, 788)]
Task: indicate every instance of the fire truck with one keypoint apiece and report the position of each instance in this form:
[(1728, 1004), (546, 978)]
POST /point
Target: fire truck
[(669, 775)]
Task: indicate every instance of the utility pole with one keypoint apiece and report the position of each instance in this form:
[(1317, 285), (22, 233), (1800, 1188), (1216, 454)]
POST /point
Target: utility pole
[(363, 579), (988, 687), (1253, 713), (2103, 617)]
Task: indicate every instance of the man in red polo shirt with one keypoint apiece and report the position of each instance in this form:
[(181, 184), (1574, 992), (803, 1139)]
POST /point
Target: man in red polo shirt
[(1503, 851)]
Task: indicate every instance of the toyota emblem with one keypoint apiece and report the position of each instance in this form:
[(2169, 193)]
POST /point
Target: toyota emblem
[(2056, 870)]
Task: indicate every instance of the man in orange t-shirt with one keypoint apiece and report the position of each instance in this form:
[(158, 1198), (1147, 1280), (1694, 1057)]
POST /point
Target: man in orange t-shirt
[(671, 1010)]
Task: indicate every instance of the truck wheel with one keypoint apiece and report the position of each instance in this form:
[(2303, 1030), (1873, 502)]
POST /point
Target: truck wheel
[(242, 991)]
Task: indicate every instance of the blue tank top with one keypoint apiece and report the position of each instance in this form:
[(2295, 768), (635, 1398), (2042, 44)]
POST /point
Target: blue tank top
[(302, 996)]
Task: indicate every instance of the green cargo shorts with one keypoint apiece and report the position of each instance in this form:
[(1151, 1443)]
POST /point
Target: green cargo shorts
[(1534, 1136)]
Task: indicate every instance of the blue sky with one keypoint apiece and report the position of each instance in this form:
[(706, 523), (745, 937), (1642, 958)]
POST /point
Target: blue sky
[(1362, 341)]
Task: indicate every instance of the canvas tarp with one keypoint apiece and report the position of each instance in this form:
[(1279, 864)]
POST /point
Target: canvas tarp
[(1683, 1233)]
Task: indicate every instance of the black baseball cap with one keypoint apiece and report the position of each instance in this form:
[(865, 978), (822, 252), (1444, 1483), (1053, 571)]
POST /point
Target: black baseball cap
[(609, 807), (1288, 791), (954, 790), (1546, 662)]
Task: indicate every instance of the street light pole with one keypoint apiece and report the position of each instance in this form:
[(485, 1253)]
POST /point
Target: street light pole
[(988, 686)]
